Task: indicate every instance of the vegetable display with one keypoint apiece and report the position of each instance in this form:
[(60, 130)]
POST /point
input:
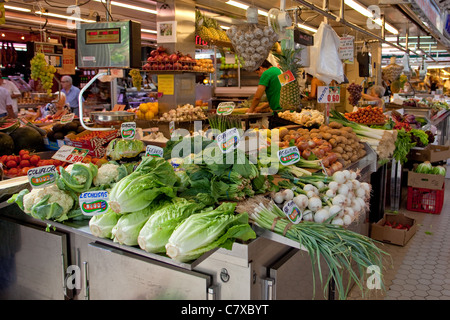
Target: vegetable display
[(305, 117), (186, 112), (124, 150), (367, 115), (427, 168)]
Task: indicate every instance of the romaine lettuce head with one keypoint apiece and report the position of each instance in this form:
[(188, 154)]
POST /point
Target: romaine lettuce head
[(101, 225), (205, 231), (127, 228), (153, 179), (156, 232)]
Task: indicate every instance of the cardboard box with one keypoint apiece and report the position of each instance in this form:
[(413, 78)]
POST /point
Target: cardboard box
[(432, 153), (425, 181), (96, 146), (390, 235)]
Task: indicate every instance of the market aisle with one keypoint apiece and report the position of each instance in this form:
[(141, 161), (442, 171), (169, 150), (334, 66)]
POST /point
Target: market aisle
[(419, 270)]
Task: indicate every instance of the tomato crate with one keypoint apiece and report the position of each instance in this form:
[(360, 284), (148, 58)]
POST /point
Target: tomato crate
[(96, 146), (425, 200)]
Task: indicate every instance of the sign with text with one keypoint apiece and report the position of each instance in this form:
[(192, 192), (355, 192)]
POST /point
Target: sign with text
[(42, 177), (225, 108), (70, 154), (128, 130), (292, 212), (229, 140), (288, 156), (286, 77), (326, 94), (93, 202), (154, 151), (347, 49), (67, 118)]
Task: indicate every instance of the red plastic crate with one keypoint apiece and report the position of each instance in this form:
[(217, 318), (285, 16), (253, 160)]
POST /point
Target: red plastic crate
[(425, 200)]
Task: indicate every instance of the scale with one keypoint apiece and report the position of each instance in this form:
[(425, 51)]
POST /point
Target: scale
[(108, 45)]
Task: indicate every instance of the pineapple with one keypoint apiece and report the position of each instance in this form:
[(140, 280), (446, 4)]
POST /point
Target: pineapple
[(290, 98)]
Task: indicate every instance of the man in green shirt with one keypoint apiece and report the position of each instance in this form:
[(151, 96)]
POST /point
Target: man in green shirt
[(269, 84)]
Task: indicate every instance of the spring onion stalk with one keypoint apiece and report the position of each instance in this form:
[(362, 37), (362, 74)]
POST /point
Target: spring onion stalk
[(338, 246)]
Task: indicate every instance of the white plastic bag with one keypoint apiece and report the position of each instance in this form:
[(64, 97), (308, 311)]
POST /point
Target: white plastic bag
[(325, 63)]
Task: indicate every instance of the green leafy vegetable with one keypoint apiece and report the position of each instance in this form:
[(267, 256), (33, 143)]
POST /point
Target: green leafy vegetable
[(154, 178), (204, 231), (124, 149), (101, 225), (424, 167), (154, 235), (403, 145), (77, 177)]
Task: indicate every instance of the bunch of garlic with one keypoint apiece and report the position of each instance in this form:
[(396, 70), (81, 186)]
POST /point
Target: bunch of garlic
[(186, 112), (252, 43)]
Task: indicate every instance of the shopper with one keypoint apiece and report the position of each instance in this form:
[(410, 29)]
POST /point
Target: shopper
[(375, 93), (13, 91), (72, 93), (268, 84), (6, 108)]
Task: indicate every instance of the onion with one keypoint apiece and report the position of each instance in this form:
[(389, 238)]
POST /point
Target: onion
[(311, 194), (308, 215), (360, 193), (339, 177), (333, 185), (278, 197), (353, 175), (335, 209), (343, 189), (339, 200), (347, 220), (288, 194), (338, 221), (347, 174), (366, 187), (356, 206), (321, 215), (330, 193), (310, 187), (356, 184), (349, 211), (314, 203), (301, 201), (320, 185)]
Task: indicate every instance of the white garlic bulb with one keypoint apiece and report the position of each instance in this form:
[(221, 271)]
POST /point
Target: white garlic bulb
[(258, 33), (255, 43)]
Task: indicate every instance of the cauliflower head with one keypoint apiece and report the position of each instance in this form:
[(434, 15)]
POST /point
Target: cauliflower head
[(60, 197), (107, 174)]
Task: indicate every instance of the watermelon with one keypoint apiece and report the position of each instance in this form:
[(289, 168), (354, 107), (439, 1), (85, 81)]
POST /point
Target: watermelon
[(8, 125), (27, 138), (6, 144)]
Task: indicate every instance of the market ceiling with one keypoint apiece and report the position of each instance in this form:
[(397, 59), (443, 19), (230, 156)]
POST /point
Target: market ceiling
[(54, 13)]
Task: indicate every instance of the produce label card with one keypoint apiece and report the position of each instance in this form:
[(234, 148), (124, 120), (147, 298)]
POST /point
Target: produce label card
[(346, 49), (171, 127), (327, 94), (154, 151), (225, 108), (94, 202), (289, 156), (41, 177), (286, 77), (292, 212), (128, 130), (228, 140), (67, 118), (70, 154)]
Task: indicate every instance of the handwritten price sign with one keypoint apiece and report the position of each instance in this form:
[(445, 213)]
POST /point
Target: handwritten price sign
[(327, 94), (70, 154)]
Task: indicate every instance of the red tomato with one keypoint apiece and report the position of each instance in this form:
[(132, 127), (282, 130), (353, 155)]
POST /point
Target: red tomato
[(23, 151), (24, 163), (10, 158), (40, 163), (25, 156), (17, 158), (24, 171), (3, 159), (11, 164), (34, 160), (13, 172)]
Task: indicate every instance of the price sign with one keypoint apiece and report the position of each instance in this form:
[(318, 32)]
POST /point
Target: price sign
[(67, 118), (154, 151), (292, 212), (128, 130), (229, 140), (326, 94), (94, 202), (288, 156), (41, 177), (286, 77), (225, 108), (70, 154)]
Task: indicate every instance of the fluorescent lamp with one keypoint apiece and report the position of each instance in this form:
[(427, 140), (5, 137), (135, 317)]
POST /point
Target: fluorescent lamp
[(304, 26), (17, 8), (365, 12), (149, 31), (245, 7), (225, 27), (129, 6), (56, 15)]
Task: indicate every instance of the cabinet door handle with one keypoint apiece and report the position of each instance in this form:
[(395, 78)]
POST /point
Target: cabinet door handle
[(86, 280)]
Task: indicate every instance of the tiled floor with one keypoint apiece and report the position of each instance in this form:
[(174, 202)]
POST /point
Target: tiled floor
[(420, 270)]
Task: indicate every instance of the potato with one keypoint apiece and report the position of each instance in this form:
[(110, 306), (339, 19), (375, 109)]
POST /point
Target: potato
[(326, 135), (354, 158), (338, 150), (335, 125), (348, 148), (345, 156), (332, 142)]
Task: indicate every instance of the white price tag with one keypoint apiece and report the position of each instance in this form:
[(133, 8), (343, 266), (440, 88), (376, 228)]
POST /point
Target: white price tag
[(154, 151), (288, 156), (171, 127), (42, 177), (292, 212), (225, 108), (70, 154), (228, 140), (326, 94), (94, 202), (128, 130), (67, 118)]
